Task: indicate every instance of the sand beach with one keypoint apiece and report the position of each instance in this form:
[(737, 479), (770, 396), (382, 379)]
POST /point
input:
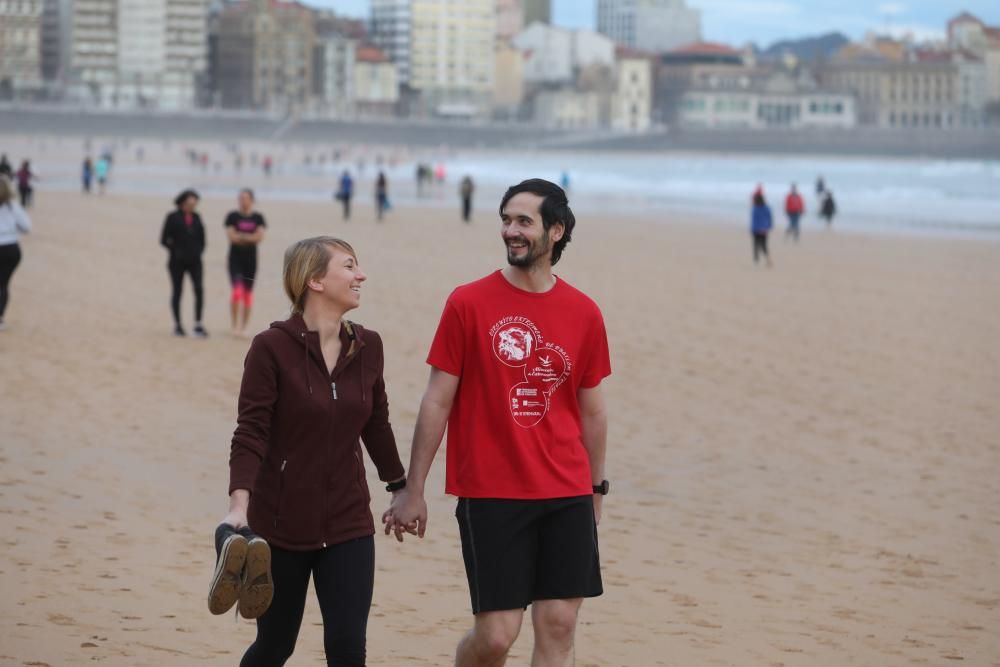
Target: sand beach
[(804, 459)]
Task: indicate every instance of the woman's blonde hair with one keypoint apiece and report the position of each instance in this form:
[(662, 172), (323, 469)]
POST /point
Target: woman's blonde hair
[(305, 260), (6, 191)]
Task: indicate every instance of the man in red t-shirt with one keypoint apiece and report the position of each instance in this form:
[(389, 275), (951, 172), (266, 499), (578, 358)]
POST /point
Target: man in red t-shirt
[(516, 367), (794, 208)]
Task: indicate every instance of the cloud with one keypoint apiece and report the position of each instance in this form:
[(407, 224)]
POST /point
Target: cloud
[(891, 8)]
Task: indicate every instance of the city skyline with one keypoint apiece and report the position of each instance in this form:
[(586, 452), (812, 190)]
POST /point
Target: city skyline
[(736, 22)]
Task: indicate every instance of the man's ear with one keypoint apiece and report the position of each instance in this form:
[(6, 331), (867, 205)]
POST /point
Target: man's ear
[(556, 231)]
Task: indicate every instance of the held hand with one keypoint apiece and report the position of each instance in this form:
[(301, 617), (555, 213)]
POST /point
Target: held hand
[(392, 525), (237, 518), (407, 512), (598, 504)]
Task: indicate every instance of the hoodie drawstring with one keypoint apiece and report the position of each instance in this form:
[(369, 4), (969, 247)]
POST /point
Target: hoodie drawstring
[(352, 336), (305, 366)]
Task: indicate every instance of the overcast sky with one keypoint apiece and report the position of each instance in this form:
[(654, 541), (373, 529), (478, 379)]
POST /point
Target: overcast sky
[(765, 21)]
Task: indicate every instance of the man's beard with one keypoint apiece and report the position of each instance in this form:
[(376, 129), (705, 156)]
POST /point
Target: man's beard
[(533, 252)]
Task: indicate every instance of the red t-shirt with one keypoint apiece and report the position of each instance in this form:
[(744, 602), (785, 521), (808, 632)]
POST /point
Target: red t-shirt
[(514, 429)]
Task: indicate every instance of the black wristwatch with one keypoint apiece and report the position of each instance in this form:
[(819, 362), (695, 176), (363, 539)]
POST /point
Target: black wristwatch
[(602, 488), (392, 487)]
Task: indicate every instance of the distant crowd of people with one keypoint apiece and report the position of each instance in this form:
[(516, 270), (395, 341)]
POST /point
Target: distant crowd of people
[(761, 220)]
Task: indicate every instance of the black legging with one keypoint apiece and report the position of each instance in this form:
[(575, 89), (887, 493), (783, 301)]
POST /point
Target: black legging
[(10, 257), (344, 577), (759, 246), (177, 270), (25, 192)]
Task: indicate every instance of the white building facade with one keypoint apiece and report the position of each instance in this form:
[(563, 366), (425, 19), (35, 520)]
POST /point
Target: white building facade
[(443, 51), (649, 25), (138, 53), (334, 72), (554, 55), (632, 103), (761, 110), (391, 31), (20, 46)]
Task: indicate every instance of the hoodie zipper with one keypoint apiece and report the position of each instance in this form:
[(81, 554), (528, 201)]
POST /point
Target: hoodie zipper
[(281, 489), (333, 386)]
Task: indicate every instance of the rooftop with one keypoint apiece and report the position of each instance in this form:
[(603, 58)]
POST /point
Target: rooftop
[(367, 53)]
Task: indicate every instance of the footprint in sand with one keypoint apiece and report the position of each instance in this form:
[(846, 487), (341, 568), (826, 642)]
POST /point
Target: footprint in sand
[(61, 619)]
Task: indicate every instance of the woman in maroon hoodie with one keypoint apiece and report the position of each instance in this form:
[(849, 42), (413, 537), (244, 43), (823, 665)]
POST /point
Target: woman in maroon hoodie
[(312, 392)]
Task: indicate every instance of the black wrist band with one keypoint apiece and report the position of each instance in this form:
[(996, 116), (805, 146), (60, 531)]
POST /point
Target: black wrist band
[(392, 487)]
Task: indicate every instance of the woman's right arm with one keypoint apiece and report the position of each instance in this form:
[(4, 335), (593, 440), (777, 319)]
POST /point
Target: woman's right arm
[(258, 396), (166, 238), (21, 220)]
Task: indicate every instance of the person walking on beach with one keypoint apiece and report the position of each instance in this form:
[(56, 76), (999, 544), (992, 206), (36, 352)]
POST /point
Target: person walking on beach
[(516, 370), (6, 170), (245, 229), (24, 179), (420, 176), (87, 174), (313, 390), (794, 208), (381, 195), (13, 222), (183, 236), (828, 208), (465, 191), (101, 169), (345, 192), (760, 226)]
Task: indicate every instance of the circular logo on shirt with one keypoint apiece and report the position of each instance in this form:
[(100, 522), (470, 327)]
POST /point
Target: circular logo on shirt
[(518, 343), (514, 344)]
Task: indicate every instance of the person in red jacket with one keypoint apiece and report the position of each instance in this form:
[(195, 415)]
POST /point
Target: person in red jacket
[(794, 208), (312, 392)]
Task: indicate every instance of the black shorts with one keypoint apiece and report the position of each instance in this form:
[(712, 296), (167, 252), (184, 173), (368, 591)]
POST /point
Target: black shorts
[(519, 551)]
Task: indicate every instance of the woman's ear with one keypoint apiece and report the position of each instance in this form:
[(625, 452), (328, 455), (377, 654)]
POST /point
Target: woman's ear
[(314, 284)]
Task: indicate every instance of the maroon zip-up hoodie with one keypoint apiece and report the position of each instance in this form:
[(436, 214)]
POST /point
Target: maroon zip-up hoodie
[(296, 445)]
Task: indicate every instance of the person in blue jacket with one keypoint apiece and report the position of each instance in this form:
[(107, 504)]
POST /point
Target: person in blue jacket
[(760, 226), (345, 193)]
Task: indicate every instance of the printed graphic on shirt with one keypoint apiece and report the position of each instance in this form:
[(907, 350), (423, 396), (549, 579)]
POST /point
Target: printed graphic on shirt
[(518, 343), (246, 225)]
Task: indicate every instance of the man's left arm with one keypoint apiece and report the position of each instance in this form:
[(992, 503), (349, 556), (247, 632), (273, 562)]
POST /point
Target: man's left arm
[(594, 429)]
